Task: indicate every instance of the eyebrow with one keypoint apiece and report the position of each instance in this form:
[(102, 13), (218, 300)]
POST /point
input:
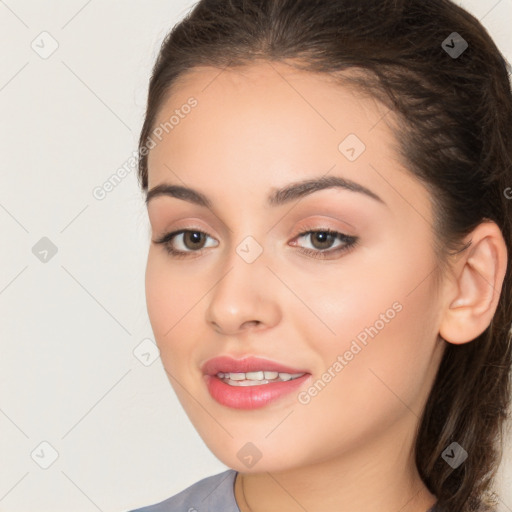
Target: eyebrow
[(278, 197)]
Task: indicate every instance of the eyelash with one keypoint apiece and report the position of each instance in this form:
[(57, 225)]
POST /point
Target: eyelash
[(349, 243)]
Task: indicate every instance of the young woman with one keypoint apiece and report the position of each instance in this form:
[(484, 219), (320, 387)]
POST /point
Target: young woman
[(329, 187)]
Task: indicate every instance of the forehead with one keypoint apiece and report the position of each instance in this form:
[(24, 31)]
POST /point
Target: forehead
[(265, 81), (246, 103)]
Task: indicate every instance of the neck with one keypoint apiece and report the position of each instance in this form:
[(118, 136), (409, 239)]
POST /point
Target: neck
[(377, 477)]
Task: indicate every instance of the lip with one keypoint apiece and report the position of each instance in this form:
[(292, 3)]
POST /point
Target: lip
[(227, 364), (249, 397)]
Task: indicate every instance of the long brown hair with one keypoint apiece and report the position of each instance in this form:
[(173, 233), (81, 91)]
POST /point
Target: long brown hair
[(455, 135)]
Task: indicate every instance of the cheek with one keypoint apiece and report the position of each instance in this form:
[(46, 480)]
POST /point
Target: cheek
[(169, 299), (378, 310)]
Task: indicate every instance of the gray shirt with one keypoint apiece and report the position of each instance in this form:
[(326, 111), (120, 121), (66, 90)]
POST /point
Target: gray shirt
[(211, 494)]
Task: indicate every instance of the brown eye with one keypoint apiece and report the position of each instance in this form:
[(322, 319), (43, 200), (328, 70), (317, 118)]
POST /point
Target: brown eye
[(184, 242), (193, 239), (322, 239)]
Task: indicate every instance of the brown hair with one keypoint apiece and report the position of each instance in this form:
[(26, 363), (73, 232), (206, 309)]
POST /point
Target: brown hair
[(455, 119)]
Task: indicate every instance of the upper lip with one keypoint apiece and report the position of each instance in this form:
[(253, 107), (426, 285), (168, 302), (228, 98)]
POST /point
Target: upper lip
[(228, 364)]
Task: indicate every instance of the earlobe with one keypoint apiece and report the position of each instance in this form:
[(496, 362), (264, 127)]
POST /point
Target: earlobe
[(472, 297)]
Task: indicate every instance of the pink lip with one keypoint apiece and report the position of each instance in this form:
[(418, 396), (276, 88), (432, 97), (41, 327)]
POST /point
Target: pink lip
[(228, 364), (248, 397)]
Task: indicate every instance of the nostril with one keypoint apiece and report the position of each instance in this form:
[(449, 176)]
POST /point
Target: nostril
[(251, 323)]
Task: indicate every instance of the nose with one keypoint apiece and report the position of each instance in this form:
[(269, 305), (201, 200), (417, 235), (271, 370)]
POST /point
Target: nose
[(245, 297)]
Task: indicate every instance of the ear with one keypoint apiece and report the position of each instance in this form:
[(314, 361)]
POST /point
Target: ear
[(472, 294)]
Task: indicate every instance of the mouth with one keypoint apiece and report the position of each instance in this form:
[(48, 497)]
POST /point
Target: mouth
[(250, 383), (257, 378)]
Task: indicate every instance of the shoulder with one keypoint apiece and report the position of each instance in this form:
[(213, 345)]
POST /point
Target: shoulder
[(212, 493)]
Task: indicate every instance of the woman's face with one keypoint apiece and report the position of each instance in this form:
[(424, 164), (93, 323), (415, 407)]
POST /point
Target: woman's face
[(361, 321)]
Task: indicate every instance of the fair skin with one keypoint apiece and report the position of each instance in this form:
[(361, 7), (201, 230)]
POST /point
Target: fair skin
[(256, 129)]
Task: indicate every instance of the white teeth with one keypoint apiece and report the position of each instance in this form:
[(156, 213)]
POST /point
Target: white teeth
[(256, 378), (237, 376), (254, 375)]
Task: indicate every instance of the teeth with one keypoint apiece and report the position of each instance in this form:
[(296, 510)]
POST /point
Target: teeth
[(256, 378), (255, 375), (237, 376)]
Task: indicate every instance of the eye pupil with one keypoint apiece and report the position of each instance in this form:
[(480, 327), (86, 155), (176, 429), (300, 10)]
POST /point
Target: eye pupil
[(324, 237), (195, 236)]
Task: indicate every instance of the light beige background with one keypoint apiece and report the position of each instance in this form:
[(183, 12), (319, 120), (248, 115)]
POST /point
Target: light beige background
[(77, 394)]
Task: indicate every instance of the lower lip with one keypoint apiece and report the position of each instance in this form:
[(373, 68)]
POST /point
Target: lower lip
[(250, 397)]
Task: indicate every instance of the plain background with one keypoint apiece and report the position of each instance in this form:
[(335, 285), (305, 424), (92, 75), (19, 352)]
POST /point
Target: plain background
[(78, 395)]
